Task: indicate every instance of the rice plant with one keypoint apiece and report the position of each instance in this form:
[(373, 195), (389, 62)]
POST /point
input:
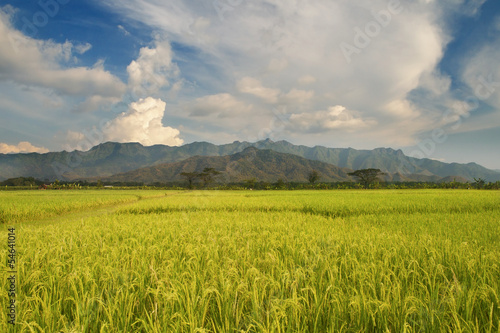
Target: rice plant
[(304, 261)]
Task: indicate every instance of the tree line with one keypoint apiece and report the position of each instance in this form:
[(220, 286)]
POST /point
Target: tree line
[(365, 179)]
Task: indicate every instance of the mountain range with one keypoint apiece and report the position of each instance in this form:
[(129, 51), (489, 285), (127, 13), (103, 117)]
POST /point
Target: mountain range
[(258, 164), (271, 161), (252, 163)]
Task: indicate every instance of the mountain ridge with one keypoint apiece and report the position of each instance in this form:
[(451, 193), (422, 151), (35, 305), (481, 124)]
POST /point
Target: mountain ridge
[(264, 165), (110, 158), (252, 163)]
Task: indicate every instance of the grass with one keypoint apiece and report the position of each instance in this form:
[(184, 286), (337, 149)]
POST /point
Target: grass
[(305, 261), (18, 206)]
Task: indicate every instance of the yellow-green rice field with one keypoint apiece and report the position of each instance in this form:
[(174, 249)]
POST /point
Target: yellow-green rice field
[(250, 261)]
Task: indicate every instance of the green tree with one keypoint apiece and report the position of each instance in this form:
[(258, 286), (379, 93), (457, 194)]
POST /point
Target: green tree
[(250, 183), (208, 176), (280, 184), (190, 177), (313, 176), (479, 183), (366, 176)]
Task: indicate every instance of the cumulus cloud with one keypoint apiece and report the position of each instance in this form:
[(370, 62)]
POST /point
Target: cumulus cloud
[(335, 118), (21, 147), (152, 70), (32, 62), (142, 123), (266, 48), (287, 53), (254, 87), (220, 106), (77, 141), (298, 96)]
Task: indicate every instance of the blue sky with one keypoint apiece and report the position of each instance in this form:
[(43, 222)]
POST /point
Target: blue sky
[(421, 76)]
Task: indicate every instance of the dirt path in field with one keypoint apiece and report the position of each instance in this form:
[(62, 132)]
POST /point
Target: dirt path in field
[(97, 211)]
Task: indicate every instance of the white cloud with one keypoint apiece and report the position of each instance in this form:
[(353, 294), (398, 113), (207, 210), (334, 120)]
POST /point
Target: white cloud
[(21, 147), (284, 53), (278, 65), (335, 118), (401, 109), (152, 70), (82, 48), (72, 136), (9, 10), (32, 62), (482, 74), (77, 141), (197, 32), (472, 7), (219, 106), (435, 82), (142, 123), (254, 87), (307, 79), (267, 47), (94, 103), (125, 31), (298, 96)]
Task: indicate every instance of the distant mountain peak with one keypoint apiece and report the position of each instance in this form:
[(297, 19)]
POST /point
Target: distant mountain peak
[(111, 158)]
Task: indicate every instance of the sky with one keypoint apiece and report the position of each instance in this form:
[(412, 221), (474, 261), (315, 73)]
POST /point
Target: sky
[(418, 75)]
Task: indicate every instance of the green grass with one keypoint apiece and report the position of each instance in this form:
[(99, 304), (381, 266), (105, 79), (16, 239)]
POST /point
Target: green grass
[(18, 206), (305, 261)]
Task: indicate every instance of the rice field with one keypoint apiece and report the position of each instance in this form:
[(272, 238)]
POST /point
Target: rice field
[(250, 261), (22, 206)]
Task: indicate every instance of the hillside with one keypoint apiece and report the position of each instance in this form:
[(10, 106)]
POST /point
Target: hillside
[(111, 158), (252, 163), (262, 165)]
